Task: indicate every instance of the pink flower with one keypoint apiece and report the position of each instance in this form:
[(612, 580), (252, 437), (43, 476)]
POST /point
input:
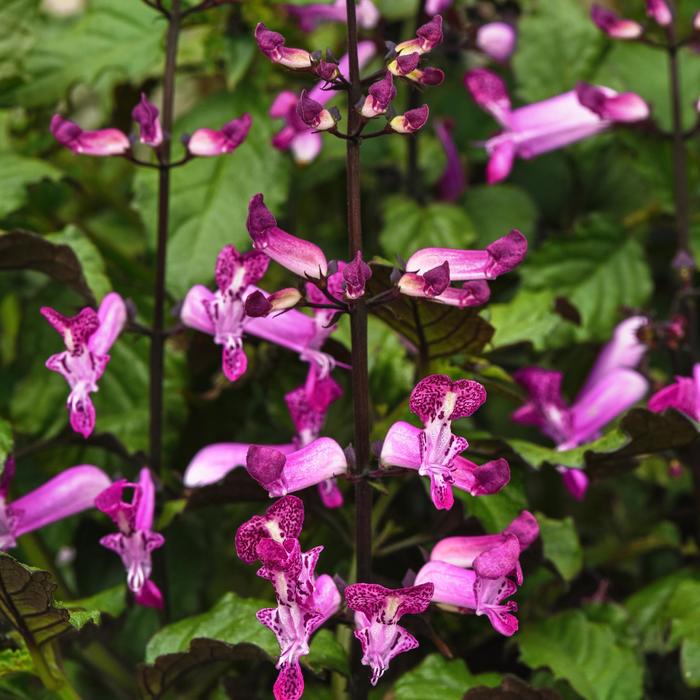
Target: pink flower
[(88, 338), (411, 121), (304, 601), (377, 613), (497, 40), (310, 16), (428, 36), (610, 389), (437, 7), (71, 492), (104, 142), (406, 66), (683, 395), (145, 114), (660, 12), (296, 136), (272, 45), (435, 451), (550, 124), (613, 25), (135, 540), (453, 182), (213, 142), (380, 96), (314, 115)]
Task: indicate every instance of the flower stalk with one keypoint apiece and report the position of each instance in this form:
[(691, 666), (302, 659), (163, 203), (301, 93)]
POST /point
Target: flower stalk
[(158, 336)]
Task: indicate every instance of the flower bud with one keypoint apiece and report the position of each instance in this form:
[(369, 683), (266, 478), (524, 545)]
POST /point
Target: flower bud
[(313, 114), (411, 121)]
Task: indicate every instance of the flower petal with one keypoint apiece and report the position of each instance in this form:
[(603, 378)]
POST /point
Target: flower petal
[(194, 313), (497, 40), (112, 316)]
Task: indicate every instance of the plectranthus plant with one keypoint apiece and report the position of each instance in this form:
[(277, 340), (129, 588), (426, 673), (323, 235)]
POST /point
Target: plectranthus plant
[(349, 350)]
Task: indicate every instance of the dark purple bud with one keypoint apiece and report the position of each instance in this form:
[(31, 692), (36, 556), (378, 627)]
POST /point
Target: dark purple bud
[(437, 280), (265, 464), (260, 218), (355, 276), (257, 305), (408, 63), (146, 115), (431, 76), (313, 114)]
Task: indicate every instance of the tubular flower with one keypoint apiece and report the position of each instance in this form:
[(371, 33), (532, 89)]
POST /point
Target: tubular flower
[(301, 257), (610, 389), (223, 314), (411, 121), (272, 45), (304, 601), (310, 16), (550, 124), (216, 142), (406, 66), (377, 613), (66, 494), (135, 540), (428, 36), (497, 40), (431, 270), (683, 395), (103, 142), (453, 182), (481, 551), (613, 25), (88, 338), (145, 114), (434, 451), (314, 115), (380, 96), (296, 136), (464, 590), (280, 474)]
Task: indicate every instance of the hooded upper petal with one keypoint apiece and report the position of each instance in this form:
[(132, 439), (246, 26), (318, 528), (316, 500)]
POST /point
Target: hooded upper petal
[(146, 115), (112, 316)]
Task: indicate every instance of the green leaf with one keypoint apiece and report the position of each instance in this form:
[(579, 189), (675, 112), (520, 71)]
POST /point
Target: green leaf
[(15, 661), (408, 226), (690, 660), (436, 677), (584, 653), (111, 601), (95, 49), (599, 270), (557, 46), (27, 605), (441, 330), (209, 196), (496, 209), (16, 173), (561, 545), (23, 250), (5, 442), (327, 653), (512, 688)]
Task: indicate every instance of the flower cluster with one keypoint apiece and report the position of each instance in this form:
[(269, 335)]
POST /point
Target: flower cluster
[(304, 600)]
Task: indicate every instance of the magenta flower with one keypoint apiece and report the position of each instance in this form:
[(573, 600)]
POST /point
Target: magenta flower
[(406, 66), (453, 182), (296, 136), (683, 395), (355, 274), (479, 552), (145, 114), (304, 601), (216, 142), (280, 474), (301, 257), (66, 494), (103, 142), (258, 305), (314, 114), (613, 25), (660, 12), (610, 389), (135, 540), (88, 338), (497, 40), (434, 451), (436, 7), (379, 98), (465, 590), (431, 270), (377, 613), (428, 36), (310, 16), (550, 124), (410, 121), (272, 45)]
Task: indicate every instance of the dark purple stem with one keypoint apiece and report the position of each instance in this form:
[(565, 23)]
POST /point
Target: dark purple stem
[(358, 327)]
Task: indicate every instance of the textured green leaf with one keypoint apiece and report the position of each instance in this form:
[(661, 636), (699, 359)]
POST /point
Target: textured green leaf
[(97, 47), (512, 688), (209, 196), (561, 545), (442, 330), (584, 653), (23, 250), (690, 660), (408, 226), (15, 661), (16, 172), (599, 270), (436, 677), (496, 209), (110, 602), (557, 46)]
